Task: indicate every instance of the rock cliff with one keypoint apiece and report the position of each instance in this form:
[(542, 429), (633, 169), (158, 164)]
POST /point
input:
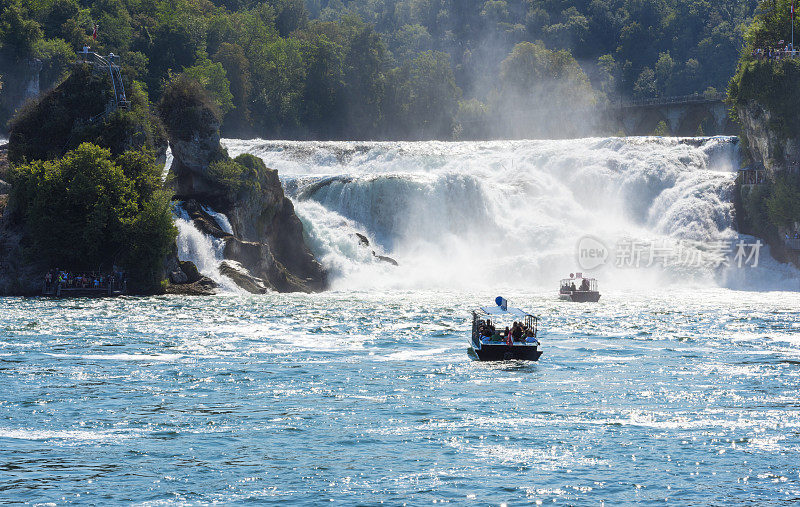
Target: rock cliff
[(767, 147), (266, 249)]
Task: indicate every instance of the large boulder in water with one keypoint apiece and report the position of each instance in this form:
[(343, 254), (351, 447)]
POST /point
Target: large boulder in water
[(242, 277)]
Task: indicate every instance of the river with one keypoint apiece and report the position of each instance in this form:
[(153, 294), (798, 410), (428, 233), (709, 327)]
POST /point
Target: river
[(681, 384)]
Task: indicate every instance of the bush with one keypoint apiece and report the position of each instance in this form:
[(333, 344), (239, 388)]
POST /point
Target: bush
[(186, 107), (76, 208), (783, 204), (229, 175), (150, 238), (245, 173)]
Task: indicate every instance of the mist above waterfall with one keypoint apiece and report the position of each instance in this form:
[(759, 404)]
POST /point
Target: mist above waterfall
[(510, 213)]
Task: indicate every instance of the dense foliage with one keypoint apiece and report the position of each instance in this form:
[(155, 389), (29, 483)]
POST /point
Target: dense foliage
[(388, 68), (783, 203), (186, 108), (75, 112), (242, 177), (775, 84), (90, 211)]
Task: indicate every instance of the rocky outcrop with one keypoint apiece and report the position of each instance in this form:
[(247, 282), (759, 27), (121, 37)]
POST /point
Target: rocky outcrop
[(202, 287), (767, 147), (242, 277), (771, 148), (184, 278), (363, 241), (18, 276), (267, 246), (191, 159), (202, 220), (268, 219)]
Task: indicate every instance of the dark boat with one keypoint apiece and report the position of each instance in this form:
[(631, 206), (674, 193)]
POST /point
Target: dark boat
[(486, 345), (584, 292)]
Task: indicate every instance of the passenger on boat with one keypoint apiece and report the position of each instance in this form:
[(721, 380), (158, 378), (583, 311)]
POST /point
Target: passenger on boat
[(516, 331), (585, 284), (572, 287)]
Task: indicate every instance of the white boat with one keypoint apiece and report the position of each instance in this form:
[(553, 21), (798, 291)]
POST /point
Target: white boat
[(487, 341)]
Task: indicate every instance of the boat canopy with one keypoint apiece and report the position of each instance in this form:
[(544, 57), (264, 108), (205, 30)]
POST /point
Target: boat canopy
[(496, 310)]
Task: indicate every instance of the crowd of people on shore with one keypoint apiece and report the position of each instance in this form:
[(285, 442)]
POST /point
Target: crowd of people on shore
[(67, 280), (518, 332), (781, 50)]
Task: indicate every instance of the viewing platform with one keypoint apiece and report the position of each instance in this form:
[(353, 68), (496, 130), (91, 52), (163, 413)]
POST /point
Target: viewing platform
[(64, 285), (752, 177)]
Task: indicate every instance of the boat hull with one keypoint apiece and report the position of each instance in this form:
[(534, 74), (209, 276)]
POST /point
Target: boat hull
[(581, 296), (505, 353)]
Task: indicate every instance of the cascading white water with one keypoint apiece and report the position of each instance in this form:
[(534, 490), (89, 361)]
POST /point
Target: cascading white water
[(220, 218), (203, 250), (511, 213)]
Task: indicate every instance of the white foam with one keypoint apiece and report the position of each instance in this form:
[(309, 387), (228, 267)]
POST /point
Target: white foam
[(220, 218), (201, 249), (510, 213)]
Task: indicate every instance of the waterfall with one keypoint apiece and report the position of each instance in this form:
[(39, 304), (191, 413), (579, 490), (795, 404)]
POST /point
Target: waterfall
[(203, 250), (513, 213), (222, 221)]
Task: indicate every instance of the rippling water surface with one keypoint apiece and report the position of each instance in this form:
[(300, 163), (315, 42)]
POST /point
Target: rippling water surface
[(687, 396)]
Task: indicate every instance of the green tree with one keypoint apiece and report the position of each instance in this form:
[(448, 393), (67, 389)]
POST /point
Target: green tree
[(237, 70), (645, 85), (57, 57), (664, 73), (150, 238), (76, 208), (212, 76), (434, 95), (17, 30)]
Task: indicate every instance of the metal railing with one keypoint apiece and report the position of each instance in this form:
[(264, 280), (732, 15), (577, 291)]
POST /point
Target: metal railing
[(695, 98), (752, 176), (107, 64)]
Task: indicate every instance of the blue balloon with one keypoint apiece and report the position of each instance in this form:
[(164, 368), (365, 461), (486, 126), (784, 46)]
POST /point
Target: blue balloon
[(499, 300)]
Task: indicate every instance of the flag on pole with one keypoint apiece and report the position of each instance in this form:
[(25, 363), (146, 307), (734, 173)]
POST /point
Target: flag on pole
[(94, 33), (791, 11)]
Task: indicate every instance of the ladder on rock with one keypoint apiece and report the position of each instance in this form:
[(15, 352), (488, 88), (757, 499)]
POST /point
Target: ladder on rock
[(106, 64)]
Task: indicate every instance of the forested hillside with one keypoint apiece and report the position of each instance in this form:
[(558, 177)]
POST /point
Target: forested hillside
[(367, 69)]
